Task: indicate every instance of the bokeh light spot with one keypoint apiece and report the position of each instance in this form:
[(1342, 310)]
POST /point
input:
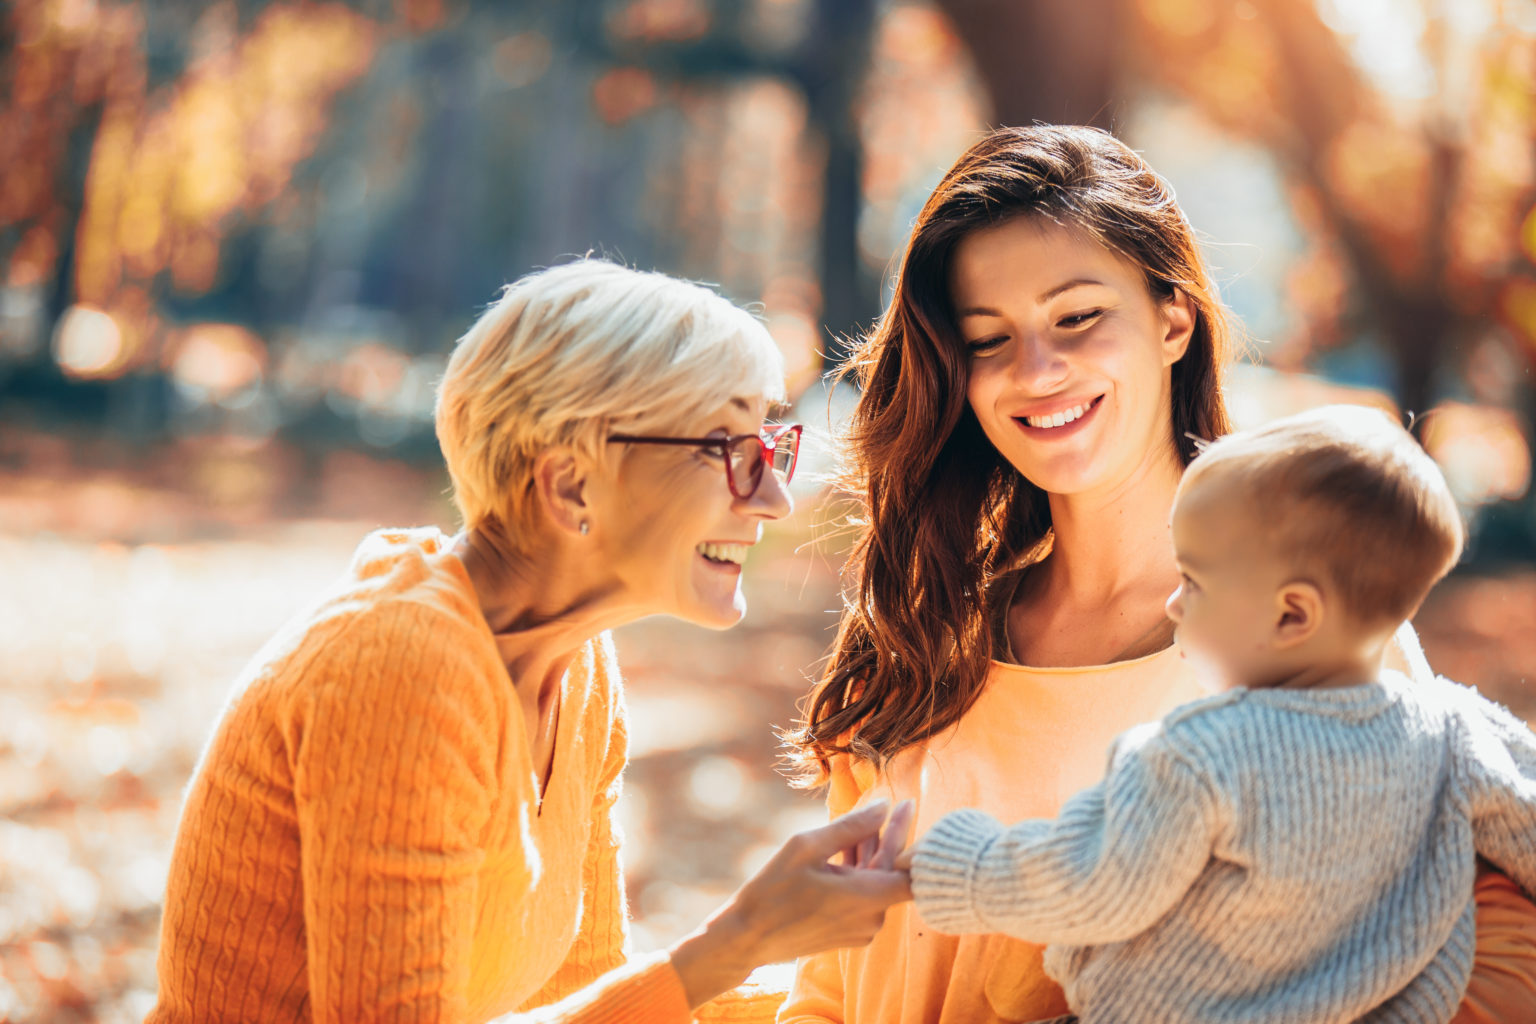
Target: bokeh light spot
[(88, 344), (717, 786), (215, 362)]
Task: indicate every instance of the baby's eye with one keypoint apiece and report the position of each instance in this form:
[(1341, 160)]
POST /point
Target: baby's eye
[(1186, 582), (1081, 319)]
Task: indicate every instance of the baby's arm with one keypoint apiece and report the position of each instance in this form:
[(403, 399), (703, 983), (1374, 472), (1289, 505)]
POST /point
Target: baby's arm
[(1498, 756), (1120, 855)]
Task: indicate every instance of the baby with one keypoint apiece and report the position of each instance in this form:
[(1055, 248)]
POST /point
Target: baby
[(1301, 846)]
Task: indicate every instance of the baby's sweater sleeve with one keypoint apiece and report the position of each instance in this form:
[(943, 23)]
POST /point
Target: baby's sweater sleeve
[(1498, 766), (1119, 856)]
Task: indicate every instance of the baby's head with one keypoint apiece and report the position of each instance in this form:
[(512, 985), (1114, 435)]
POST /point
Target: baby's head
[(1303, 544)]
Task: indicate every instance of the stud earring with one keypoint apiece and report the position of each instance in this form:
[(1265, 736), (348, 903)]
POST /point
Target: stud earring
[(585, 528)]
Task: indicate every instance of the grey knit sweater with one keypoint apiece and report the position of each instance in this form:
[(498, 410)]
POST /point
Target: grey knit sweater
[(1270, 856)]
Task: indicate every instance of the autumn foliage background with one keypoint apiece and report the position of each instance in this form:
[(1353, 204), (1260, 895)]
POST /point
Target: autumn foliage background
[(238, 238)]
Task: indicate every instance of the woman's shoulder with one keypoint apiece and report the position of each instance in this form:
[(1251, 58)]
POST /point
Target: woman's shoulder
[(1406, 655), (403, 615)]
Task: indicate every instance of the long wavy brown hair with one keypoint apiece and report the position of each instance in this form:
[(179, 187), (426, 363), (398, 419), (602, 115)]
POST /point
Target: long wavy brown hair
[(943, 515)]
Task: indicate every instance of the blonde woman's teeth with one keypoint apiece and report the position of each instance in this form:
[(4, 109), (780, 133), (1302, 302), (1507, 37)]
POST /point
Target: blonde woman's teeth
[(1059, 419), (734, 553)]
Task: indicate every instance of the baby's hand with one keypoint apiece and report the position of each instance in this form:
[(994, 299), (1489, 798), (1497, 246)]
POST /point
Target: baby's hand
[(904, 860)]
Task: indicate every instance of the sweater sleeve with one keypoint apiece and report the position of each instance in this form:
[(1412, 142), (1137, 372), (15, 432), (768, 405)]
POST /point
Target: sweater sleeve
[(756, 1001), (1499, 767), (393, 757), (816, 996), (1120, 855)]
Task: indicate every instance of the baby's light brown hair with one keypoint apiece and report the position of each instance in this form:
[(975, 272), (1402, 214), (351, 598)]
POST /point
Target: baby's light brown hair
[(1345, 493)]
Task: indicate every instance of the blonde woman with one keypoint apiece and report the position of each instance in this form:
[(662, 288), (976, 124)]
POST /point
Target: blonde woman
[(405, 812)]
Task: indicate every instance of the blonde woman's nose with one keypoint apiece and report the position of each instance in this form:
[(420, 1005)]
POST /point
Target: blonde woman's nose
[(771, 500)]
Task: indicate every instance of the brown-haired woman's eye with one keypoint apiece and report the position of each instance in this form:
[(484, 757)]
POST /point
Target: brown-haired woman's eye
[(981, 345), (1081, 319)]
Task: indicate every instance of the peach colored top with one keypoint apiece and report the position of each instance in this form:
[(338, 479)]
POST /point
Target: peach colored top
[(1035, 737)]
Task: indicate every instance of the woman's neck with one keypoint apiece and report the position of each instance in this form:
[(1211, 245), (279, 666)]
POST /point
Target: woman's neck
[(1099, 596), (542, 603), (1109, 543)]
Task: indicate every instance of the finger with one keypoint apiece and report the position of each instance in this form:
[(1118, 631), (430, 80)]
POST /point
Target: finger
[(894, 887), (893, 839), (866, 850), (872, 888), (819, 844)]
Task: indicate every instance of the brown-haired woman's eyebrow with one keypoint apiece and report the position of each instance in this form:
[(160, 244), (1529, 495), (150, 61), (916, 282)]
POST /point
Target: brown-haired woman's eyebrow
[(1046, 296), (1076, 282)]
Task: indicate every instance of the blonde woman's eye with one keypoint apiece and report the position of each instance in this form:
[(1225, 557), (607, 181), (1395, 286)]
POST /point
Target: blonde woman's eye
[(983, 345)]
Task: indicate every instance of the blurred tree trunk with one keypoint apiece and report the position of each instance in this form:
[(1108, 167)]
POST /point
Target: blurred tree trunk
[(1320, 94), (832, 71), (828, 67), (1059, 62), (1313, 96), (74, 170), (1387, 183)]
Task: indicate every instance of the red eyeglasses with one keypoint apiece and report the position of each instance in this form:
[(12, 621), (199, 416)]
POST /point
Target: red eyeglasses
[(745, 454)]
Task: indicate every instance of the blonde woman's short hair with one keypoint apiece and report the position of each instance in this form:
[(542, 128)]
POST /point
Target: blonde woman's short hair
[(571, 354)]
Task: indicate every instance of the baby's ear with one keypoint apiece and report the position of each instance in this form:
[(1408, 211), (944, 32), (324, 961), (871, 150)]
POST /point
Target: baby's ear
[(1299, 611)]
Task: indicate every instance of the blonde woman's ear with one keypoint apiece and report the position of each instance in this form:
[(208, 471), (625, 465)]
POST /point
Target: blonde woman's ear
[(560, 488)]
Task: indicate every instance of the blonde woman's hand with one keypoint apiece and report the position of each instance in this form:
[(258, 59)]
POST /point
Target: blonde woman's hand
[(801, 902)]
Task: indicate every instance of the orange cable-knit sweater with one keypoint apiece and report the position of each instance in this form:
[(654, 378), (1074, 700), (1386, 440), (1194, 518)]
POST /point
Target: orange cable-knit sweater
[(364, 838)]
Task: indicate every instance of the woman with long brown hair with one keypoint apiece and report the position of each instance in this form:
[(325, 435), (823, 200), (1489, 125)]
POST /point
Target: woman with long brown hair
[(1052, 354)]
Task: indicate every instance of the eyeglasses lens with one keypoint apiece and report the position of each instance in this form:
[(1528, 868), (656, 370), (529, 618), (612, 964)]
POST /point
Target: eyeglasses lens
[(746, 456), (785, 451), (746, 461)]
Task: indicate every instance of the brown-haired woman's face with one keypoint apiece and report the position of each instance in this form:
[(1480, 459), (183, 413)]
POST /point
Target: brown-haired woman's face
[(1070, 354)]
